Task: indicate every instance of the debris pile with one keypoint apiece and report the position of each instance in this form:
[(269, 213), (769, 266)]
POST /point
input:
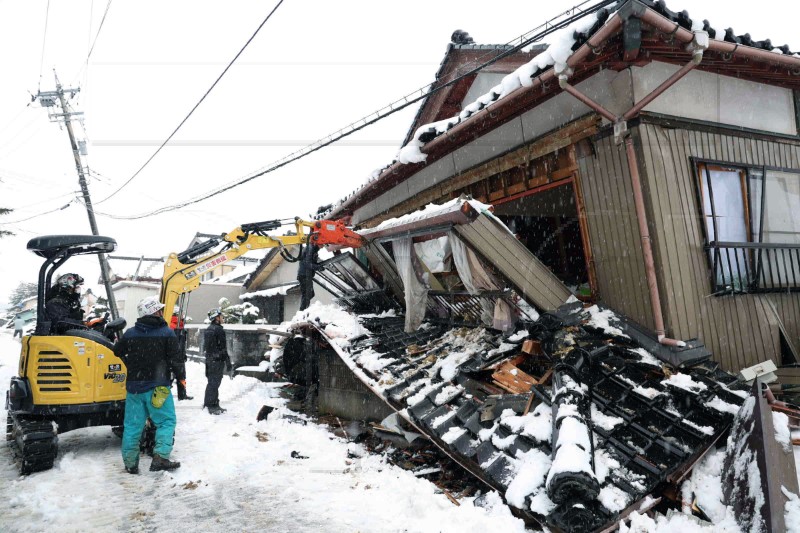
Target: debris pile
[(571, 418)]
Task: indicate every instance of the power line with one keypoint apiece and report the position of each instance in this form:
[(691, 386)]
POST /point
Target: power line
[(426, 91), (44, 42), (39, 215), (197, 104), (99, 29)]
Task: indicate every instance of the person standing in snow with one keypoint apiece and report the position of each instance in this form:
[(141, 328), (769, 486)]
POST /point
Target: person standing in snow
[(305, 274), (150, 352), (19, 323), (176, 324), (217, 360)]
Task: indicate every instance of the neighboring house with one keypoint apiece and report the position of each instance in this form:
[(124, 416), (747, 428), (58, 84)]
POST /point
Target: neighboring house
[(641, 135), (129, 293), (274, 289), (28, 304)]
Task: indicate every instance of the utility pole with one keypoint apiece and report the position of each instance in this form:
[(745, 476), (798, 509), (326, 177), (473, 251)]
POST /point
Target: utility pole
[(48, 99)]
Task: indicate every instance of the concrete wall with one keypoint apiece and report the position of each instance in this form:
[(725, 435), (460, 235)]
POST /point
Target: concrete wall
[(700, 95), (246, 347), (342, 394), (551, 115), (717, 98)]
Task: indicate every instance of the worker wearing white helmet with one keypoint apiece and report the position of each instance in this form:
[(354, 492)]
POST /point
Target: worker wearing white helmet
[(151, 354)]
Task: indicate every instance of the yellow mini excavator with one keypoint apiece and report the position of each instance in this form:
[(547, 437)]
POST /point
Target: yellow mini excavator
[(68, 380), (72, 380)]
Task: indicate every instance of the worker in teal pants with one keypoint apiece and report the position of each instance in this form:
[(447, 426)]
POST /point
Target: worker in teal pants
[(138, 408), (152, 356)]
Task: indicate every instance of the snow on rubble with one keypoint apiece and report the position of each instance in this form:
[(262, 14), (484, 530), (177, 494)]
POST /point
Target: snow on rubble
[(237, 474)]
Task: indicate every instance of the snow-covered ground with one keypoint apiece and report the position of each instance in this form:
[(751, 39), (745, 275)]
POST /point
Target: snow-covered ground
[(236, 475)]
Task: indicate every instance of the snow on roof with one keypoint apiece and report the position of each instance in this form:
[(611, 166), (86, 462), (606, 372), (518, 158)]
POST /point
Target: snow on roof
[(238, 272), (562, 45), (141, 284), (272, 291), (429, 211)]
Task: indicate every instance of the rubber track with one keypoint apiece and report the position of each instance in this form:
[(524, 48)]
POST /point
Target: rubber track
[(34, 444)]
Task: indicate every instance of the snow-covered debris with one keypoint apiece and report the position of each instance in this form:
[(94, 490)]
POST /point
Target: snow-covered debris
[(602, 319), (268, 293), (685, 382), (780, 423)]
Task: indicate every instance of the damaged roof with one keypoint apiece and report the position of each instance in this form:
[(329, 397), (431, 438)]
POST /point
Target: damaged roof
[(593, 39), (577, 416)]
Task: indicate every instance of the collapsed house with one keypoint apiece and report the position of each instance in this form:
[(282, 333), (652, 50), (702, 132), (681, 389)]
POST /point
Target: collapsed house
[(650, 159), (577, 415), (575, 349)]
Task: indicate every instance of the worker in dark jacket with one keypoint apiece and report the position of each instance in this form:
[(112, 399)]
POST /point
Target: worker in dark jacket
[(176, 324), (150, 353), (217, 360), (305, 274), (63, 304)]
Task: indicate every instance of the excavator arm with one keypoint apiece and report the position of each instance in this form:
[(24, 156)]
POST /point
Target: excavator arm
[(183, 271)]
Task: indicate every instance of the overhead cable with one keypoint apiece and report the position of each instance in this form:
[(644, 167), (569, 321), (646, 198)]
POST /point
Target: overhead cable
[(524, 40), (99, 29), (44, 42), (2, 223), (196, 105)]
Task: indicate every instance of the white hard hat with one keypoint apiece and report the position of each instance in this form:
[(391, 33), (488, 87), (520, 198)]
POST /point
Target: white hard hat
[(149, 306), (176, 309)]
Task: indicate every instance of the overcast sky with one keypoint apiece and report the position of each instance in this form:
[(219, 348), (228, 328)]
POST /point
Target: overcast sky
[(315, 67)]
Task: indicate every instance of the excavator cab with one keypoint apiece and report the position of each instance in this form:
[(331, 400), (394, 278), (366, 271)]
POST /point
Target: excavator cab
[(66, 380)]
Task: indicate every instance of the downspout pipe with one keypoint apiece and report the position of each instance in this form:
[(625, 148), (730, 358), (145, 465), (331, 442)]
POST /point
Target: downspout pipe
[(698, 44)]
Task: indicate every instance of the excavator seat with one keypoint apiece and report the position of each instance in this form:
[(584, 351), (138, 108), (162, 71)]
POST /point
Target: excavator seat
[(51, 245)]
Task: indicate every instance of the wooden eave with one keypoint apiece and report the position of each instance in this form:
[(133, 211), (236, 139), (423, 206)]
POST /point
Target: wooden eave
[(587, 60)]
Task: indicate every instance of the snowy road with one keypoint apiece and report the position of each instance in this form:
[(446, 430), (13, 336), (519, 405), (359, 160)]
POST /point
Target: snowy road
[(236, 475)]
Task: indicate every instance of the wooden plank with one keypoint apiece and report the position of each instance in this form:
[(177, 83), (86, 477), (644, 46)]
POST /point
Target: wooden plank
[(619, 197), (707, 320), (788, 375), (677, 228), (661, 235), (512, 379), (522, 273), (694, 242), (518, 264)]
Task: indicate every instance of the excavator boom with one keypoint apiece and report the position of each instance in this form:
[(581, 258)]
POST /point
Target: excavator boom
[(183, 271)]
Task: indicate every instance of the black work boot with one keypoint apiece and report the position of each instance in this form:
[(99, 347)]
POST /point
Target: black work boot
[(159, 463), (214, 410), (132, 469)]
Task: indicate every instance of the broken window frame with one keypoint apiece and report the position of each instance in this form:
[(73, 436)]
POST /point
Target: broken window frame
[(752, 265)]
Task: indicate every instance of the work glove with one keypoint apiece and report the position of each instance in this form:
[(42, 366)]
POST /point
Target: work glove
[(182, 391)]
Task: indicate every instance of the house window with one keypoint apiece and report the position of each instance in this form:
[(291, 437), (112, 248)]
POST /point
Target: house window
[(752, 226)]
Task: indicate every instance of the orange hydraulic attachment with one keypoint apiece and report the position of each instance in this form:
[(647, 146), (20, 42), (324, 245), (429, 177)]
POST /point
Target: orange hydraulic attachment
[(334, 233)]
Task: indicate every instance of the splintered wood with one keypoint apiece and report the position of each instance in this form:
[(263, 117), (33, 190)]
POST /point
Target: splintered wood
[(510, 378)]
